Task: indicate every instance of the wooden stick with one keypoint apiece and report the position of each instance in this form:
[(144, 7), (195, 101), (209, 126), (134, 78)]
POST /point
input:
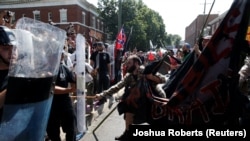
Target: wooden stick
[(88, 97)]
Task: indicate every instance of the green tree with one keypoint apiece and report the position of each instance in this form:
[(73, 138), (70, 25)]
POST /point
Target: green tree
[(147, 24), (108, 12), (176, 40)]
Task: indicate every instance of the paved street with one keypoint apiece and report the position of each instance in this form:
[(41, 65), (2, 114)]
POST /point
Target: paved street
[(105, 127), (105, 123)]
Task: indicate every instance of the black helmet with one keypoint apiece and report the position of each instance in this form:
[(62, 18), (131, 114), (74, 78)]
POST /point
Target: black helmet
[(7, 36)]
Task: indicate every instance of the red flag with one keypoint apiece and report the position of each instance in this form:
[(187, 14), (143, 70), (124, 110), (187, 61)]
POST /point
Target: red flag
[(120, 40)]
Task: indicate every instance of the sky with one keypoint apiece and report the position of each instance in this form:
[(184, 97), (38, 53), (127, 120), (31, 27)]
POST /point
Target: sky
[(178, 14)]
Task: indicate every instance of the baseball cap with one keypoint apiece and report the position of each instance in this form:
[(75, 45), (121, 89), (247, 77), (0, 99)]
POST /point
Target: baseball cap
[(187, 45), (7, 36)]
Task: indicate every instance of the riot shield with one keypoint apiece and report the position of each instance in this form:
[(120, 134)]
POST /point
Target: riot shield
[(31, 76), (80, 85)]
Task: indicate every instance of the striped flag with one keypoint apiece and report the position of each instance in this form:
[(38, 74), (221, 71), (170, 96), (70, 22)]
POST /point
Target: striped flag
[(213, 77), (120, 40)]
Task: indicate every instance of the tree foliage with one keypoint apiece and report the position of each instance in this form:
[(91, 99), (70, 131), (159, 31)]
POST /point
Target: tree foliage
[(147, 24)]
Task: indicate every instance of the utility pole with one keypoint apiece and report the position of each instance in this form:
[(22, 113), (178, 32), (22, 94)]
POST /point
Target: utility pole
[(205, 3), (119, 15), (204, 12)]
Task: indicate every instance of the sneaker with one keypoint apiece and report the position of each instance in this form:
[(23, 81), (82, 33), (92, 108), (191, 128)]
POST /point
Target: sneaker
[(123, 137), (79, 136)]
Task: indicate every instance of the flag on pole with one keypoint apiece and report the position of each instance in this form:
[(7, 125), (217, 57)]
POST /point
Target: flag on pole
[(120, 40), (127, 41), (151, 44), (119, 48), (212, 78)]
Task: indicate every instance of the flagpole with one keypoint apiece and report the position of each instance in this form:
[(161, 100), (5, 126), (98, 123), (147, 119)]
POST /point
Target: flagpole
[(119, 15), (119, 47), (128, 39), (205, 22)]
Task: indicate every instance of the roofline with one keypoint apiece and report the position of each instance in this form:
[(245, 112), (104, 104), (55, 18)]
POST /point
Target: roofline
[(48, 3)]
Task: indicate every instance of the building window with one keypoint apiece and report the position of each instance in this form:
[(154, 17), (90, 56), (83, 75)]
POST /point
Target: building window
[(63, 15), (93, 22), (83, 17), (13, 18), (98, 24), (217, 24), (102, 27), (36, 14), (50, 16)]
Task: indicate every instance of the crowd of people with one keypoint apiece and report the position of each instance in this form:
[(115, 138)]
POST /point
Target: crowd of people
[(98, 73), (98, 80)]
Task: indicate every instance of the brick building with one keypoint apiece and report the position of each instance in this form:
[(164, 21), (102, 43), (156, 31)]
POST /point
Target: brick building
[(82, 14), (214, 24), (193, 31)]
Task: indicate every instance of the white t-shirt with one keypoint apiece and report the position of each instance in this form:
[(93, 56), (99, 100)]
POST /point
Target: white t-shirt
[(73, 57), (67, 62), (88, 76)]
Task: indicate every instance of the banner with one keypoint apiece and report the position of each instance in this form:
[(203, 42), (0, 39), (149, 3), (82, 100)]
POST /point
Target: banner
[(213, 77)]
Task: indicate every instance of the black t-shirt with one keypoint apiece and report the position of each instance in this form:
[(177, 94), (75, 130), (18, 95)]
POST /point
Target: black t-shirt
[(104, 59), (101, 58), (93, 57), (64, 77), (3, 85), (3, 79)]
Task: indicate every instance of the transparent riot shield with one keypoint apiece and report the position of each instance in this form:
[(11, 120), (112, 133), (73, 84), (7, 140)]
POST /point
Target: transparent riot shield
[(31, 76), (80, 80)]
